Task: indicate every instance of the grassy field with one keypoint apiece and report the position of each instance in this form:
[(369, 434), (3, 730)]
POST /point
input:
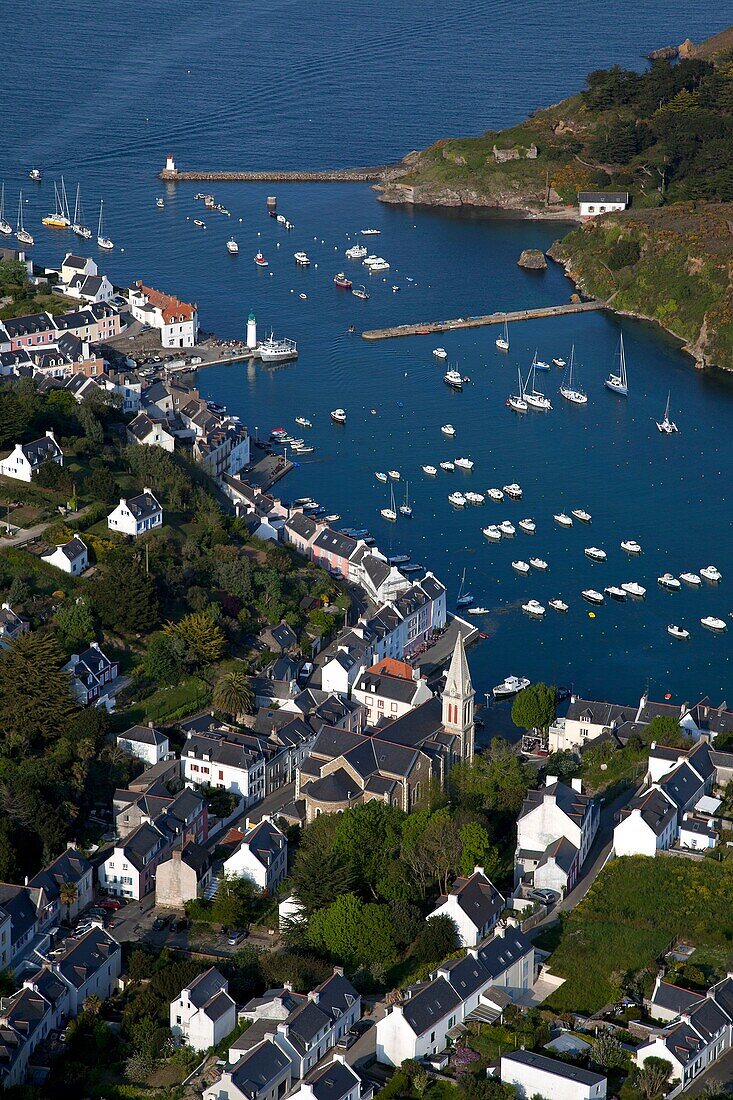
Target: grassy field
[(630, 915)]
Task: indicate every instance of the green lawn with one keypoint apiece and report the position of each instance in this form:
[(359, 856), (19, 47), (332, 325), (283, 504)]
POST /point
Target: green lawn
[(168, 703)]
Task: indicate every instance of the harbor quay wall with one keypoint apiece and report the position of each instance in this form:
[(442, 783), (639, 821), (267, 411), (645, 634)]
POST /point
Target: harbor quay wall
[(335, 175), (426, 327)]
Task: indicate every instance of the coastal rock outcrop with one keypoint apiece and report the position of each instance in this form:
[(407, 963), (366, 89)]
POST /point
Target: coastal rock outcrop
[(533, 259)]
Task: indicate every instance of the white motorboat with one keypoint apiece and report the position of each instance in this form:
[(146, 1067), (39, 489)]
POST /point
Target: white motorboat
[(380, 476), (464, 598), (513, 491), (369, 260), (448, 429), (303, 421), (389, 513), (631, 588), (232, 247), (711, 573), (528, 526), (5, 227), (35, 175), (478, 611), (453, 379), (370, 232), (431, 471), (511, 686), (569, 388), (495, 494), (678, 632), (507, 529), (539, 364), (691, 578), (440, 353), (447, 465), (277, 351), (667, 426), (380, 264), (558, 605), (559, 362), (492, 533), (714, 624), (159, 203), (517, 401), (102, 240), (357, 252), (615, 593), (595, 554), (562, 520), (360, 292), (533, 607), (464, 463), (631, 546), (669, 581), (582, 515), (406, 507), (535, 398), (199, 223), (77, 225), (592, 595), (539, 563), (394, 475), (521, 566), (302, 259), (618, 381), (503, 342), (338, 416), (474, 498), (457, 500)]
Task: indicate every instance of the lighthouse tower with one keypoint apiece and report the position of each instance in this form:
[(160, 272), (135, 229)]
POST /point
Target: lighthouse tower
[(251, 331), (170, 164)]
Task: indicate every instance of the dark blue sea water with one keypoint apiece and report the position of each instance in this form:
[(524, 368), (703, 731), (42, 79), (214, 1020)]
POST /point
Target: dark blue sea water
[(106, 95)]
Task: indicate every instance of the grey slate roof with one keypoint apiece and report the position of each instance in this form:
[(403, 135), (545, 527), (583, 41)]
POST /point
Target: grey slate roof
[(75, 548), (258, 1067), (603, 196), (302, 525), (466, 975), (334, 542), (396, 688), (553, 1065), (205, 986), (143, 505), (423, 1010), (265, 841), (70, 866), (656, 810), (145, 735), (16, 901), (599, 713), (681, 785), (501, 952), (86, 955), (477, 897), (577, 806), (40, 449), (334, 1081), (562, 851)]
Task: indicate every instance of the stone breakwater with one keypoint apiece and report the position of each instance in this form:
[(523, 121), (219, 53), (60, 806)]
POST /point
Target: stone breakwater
[(334, 175)]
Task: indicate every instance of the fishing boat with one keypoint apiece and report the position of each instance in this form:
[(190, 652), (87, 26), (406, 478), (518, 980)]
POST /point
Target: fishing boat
[(474, 498), (5, 227), (394, 474), (595, 554), (447, 465), (338, 416), (440, 353), (562, 520), (533, 607), (360, 292), (492, 533), (528, 526), (558, 605), (495, 494), (261, 261), (35, 175), (102, 240), (631, 546), (478, 611), (389, 513), (448, 429), (711, 573), (569, 390), (503, 341), (341, 282), (232, 247), (464, 598), (453, 379), (539, 563), (78, 225), (667, 426), (507, 529), (615, 593), (535, 398), (691, 578), (631, 588), (678, 632), (302, 259), (513, 491), (618, 382), (511, 686), (464, 463), (380, 476), (559, 362), (405, 507), (520, 567), (356, 252), (457, 500), (582, 515), (710, 622), (669, 581), (592, 596), (517, 400), (22, 234), (159, 203), (277, 351)]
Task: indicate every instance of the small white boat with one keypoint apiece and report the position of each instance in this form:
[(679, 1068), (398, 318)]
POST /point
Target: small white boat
[(440, 353), (357, 252), (394, 474), (513, 491), (232, 247), (714, 624), (381, 476), (457, 500), (618, 383), (631, 546), (77, 225), (562, 520), (199, 223), (391, 512), (159, 203), (521, 567), (569, 389), (492, 533), (303, 296), (538, 563), (691, 579), (533, 607), (559, 362), (592, 596), (370, 232), (303, 421), (21, 233), (447, 465), (540, 364), (511, 686), (35, 175), (464, 463), (631, 588), (667, 426), (380, 264), (261, 261), (454, 379), (507, 529), (495, 494), (338, 416), (615, 593), (474, 498), (448, 429), (360, 292), (582, 515), (711, 573), (595, 554), (478, 611), (302, 259), (503, 342), (558, 605), (678, 632), (431, 471), (669, 581), (528, 526)]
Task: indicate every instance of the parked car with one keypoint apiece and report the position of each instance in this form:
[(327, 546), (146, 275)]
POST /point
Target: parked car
[(112, 904), (160, 923), (546, 897), (235, 936), (346, 1041)]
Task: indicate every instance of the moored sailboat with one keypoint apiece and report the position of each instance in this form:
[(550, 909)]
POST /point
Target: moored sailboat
[(667, 426), (22, 234), (78, 226), (5, 227), (102, 241), (618, 383), (568, 389)]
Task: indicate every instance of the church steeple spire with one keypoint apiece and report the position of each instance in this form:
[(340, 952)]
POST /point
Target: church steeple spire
[(458, 700)]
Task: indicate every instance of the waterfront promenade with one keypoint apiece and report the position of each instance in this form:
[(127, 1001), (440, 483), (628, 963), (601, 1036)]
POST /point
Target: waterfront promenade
[(426, 327)]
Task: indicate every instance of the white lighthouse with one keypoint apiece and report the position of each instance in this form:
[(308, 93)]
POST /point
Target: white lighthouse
[(252, 331), (170, 164)]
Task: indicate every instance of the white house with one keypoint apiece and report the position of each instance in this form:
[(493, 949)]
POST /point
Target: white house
[(26, 459), (70, 867), (646, 826), (474, 905), (73, 265), (89, 288), (537, 1075), (215, 756), (262, 856), (129, 872), (335, 1081), (91, 966), (177, 321), (148, 431), (263, 1072), (70, 557), (289, 910), (585, 720), (555, 830), (390, 689), (144, 742), (136, 515), (203, 1014), (593, 203), (696, 832)]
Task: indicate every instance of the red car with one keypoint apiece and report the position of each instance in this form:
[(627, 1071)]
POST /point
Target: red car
[(110, 903)]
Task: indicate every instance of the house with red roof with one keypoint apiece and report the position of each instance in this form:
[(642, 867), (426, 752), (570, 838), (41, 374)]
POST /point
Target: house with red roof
[(177, 321)]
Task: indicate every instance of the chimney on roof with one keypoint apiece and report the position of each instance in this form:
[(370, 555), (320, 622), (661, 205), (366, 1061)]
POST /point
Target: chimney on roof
[(147, 489), (499, 930), (573, 698), (653, 745), (684, 707), (339, 971), (151, 725), (550, 779), (50, 435), (478, 870), (577, 784), (288, 986), (313, 995), (337, 1058)]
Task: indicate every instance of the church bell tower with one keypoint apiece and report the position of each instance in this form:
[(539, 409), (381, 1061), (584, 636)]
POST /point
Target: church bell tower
[(458, 698)]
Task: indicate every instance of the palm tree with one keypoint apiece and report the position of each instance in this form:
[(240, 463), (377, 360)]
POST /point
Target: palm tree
[(233, 694), (67, 896)]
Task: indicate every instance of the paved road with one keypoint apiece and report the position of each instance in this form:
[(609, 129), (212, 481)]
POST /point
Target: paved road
[(28, 534)]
